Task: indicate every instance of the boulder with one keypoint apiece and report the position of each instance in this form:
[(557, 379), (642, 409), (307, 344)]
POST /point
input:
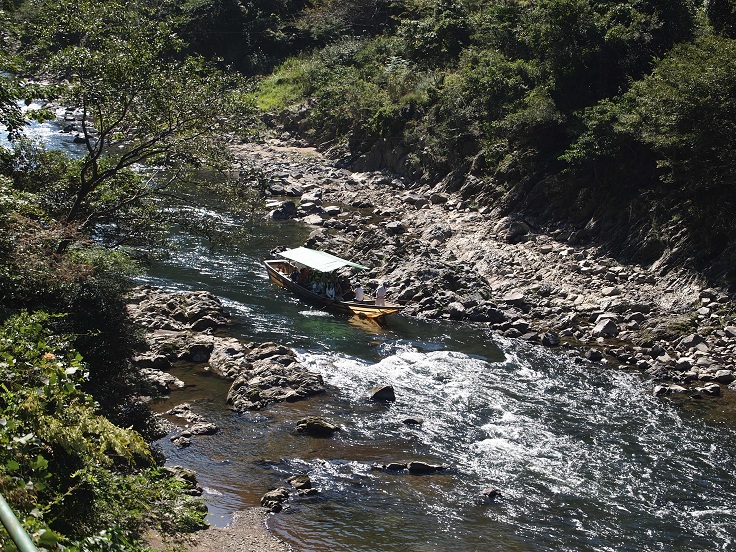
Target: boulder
[(456, 311), (724, 376), (300, 482), (437, 199), (316, 427), (512, 231), (227, 358), (275, 379), (513, 298), (423, 468), (690, 341), (383, 393), (710, 390), (314, 220), (273, 500), (550, 339), (162, 381), (490, 494), (201, 428), (605, 328), (395, 228), (285, 211)]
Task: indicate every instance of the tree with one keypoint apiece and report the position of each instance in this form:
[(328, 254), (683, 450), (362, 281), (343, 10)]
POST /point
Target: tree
[(141, 103), (722, 15)]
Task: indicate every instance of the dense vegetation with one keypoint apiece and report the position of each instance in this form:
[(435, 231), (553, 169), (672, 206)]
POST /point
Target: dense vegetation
[(615, 120), (615, 117), (74, 462)]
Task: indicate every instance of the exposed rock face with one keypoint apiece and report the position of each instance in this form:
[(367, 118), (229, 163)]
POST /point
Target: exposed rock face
[(455, 262), (261, 374), (269, 373), (155, 309)]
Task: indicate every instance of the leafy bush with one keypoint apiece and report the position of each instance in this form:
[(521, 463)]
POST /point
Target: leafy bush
[(68, 472)]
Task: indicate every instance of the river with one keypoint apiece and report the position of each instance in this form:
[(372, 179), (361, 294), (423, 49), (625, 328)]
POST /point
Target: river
[(584, 456)]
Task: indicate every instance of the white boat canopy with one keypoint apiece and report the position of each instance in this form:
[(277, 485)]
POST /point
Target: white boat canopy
[(318, 260)]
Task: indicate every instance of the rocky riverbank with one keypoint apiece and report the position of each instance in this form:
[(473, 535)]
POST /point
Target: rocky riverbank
[(451, 261), (189, 327)]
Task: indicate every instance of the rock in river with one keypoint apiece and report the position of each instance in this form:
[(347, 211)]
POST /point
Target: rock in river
[(316, 426)]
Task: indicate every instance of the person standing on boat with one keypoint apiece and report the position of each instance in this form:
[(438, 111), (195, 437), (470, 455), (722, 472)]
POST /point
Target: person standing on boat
[(381, 294), (359, 293)]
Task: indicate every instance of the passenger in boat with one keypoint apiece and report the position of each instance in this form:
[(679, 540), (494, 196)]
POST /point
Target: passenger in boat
[(330, 293), (381, 294), (303, 276), (359, 292), (316, 287), (294, 275), (344, 290)]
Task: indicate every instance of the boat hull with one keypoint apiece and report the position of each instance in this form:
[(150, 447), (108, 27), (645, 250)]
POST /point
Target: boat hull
[(278, 272)]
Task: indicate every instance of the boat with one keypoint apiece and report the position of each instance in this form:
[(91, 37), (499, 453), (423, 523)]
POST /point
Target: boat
[(324, 265)]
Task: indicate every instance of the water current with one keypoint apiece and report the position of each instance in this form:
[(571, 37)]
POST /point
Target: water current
[(584, 456)]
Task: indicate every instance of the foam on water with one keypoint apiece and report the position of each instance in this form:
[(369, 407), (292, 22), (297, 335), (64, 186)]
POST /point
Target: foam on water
[(583, 454)]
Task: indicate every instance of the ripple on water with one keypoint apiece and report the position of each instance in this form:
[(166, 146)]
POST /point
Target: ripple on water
[(583, 454)]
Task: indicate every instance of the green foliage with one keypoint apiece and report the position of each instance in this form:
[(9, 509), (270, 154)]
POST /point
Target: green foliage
[(142, 102), (289, 84), (67, 471), (722, 16), (436, 33), (671, 136)]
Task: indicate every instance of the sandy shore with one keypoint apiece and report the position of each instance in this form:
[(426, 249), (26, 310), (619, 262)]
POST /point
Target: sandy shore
[(246, 533)]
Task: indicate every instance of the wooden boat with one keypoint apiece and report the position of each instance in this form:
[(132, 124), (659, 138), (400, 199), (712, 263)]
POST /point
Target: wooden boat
[(294, 260)]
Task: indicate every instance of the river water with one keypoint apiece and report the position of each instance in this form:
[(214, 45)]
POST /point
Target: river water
[(584, 456)]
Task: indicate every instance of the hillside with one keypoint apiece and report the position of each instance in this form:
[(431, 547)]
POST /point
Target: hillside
[(614, 121)]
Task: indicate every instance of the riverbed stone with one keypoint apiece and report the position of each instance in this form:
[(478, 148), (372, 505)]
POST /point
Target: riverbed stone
[(300, 481), (605, 328), (382, 393), (550, 339), (316, 427), (724, 376), (274, 500), (423, 468), (395, 228)]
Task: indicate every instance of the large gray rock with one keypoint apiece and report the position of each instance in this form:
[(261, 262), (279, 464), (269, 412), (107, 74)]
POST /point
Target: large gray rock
[(274, 379), (605, 328)]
